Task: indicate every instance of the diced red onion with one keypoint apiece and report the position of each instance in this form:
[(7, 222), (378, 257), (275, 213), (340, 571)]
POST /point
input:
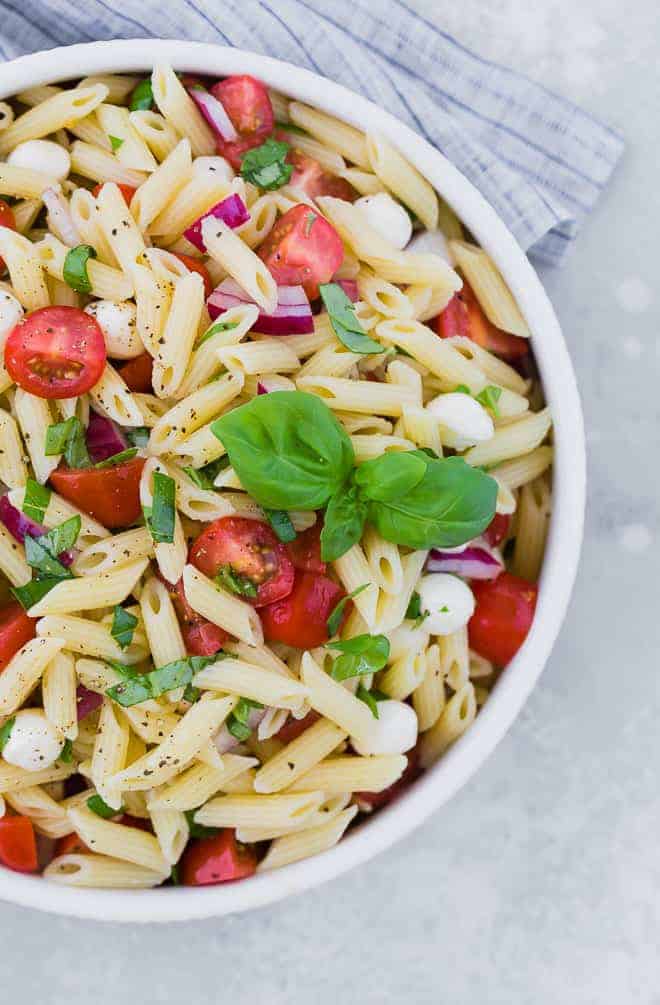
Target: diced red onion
[(350, 288), (104, 438), (19, 525), (214, 113), (292, 316), (231, 211), (59, 217), (261, 388), (224, 740), (87, 701), (475, 561)]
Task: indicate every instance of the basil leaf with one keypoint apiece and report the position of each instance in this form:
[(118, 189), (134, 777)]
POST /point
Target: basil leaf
[(217, 326), (462, 389), (120, 458), (414, 610), (369, 699), (131, 691), (136, 688), (344, 320), (161, 518), (390, 476), (66, 753), (233, 581), (205, 477), (280, 521), (115, 143), (101, 808), (63, 537), (33, 591), (489, 398), (191, 694), (287, 448), (68, 438), (363, 654), (35, 501), (123, 626), (452, 504), (142, 96), (75, 268), (344, 522), (199, 831), (237, 723), (138, 437), (335, 619), (266, 165), (5, 732), (40, 558)]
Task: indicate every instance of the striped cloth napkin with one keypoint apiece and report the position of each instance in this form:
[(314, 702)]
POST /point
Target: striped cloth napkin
[(541, 161)]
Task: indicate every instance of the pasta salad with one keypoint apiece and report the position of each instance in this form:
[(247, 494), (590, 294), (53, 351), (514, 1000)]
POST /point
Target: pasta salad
[(275, 479)]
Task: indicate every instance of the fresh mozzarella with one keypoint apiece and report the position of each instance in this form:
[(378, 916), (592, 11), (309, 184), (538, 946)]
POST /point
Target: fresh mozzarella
[(34, 743), (431, 241), (393, 732), (11, 313), (463, 421), (448, 600), (42, 155), (218, 167), (118, 322), (388, 217)]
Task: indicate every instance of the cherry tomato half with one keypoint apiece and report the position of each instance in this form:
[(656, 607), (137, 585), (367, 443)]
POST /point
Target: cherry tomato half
[(293, 728), (251, 550), (502, 617), (200, 637), (7, 219), (56, 352), (309, 176), (463, 316), (302, 249), (497, 529), (218, 859), (194, 265), (128, 191), (15, 630), (137, 373), (376, 800), (18, 845), (305, 550), (300, 619), (247, 104), (110, 495)]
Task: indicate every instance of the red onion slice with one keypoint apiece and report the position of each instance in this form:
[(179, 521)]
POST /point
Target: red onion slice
[(214, 113), (87, 701), (19, 526), (292, 316), (104, 438), (231, 211), (475, 561)]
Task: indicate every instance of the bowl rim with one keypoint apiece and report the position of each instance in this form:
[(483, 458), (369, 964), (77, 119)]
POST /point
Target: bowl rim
[(441, 781)]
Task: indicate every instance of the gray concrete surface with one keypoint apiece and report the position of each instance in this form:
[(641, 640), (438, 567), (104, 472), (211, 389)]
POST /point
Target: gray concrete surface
[(539, 883)]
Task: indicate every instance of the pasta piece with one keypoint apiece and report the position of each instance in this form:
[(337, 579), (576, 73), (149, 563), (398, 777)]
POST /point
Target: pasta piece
[(235, 676), (265, 810), (521, 470), (48, 817), (118, 86), (332, 132), (34, 417), (106, 282), (457, 716), (120, 229), (221, 607), (172, 832), (348, 773), (199, 783), (159, 135), (109, 755), (180, 110), (240, 262), (188, 415), (398, 175), (110, 553), (495, 369), (161, 623), (299, 756), (306, 843), (344, 395), (119, 841), (59, 510), (13, 779), (25, 269), (113, 399), (532, 523), (170, 555), (90, 593), (334, 701), (392, 608), (178, 336), (354, 571), (162, 186), (204, 362), (24, 183), (13, 564), (101, 165), (58, 689), (100, 872), (512, 440), (88, 638), (132, 151), (195, 199), (404, 676), (57, 111), (384, 297), (491, 291), (429, 697), (22, 674)]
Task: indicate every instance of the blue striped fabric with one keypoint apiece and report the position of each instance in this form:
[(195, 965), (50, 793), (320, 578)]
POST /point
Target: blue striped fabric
[(541, 161)]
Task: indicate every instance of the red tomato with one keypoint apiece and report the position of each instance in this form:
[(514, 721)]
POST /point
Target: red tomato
[(247, 104), (56, 352), (302, 249), (201, 637), (7, 219), (497, 529), (375, 800), (300, 619), (126, 190), (219, 859), (194, 265), (110, 495), (502, 618), (137, 373), (252, 550), (293, 728), (18, 845), (70, 845), (15, 630), (305, 550), (463, 316), (309, 176)]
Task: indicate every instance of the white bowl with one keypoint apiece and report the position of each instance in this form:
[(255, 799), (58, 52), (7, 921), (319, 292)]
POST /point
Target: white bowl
[(442, 781)]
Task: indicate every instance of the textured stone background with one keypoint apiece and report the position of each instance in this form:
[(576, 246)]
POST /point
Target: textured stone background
[(540, 881)]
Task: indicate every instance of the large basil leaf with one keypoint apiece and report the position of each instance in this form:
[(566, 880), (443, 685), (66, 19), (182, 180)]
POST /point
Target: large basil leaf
[(390, 476), (344, 522), (287, 448)]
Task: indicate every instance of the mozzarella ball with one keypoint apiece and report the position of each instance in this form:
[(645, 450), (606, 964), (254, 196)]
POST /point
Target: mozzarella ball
[(406, 639), (431, 242), (463, 421), (117, 321), (393, 732), (217, 167), (388, 217), (42, 155), (34, 743), (448, 600), (11, 313)]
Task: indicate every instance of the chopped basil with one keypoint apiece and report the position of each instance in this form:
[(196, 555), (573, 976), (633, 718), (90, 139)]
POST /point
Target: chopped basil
[(123, 625), (344, 321), (43, 552), (160, 518), (33, 591), (363, 654), (75, 268), (5, 732), (101, 808), (68, 438), (138, 437), (266, 165), (280, 521), (174, 875), (191, 694), (217, 326), (489, 398), (414, 610), (205, 477), (136, 688), (334, 621), (235, 582), (462, 389), (115, 143), (371, 698), (120, 458), (199, 831), (142, 96), (35, 501), (237, 723), (66, 753)]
